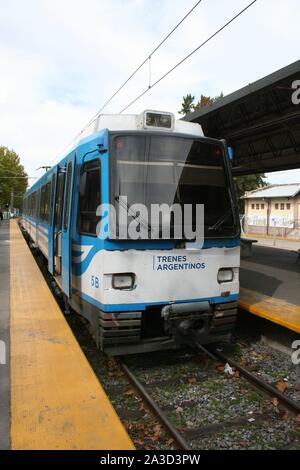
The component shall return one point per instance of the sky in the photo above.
(60, 60)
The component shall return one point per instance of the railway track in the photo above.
(179, 437)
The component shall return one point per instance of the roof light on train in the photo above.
(158, 119)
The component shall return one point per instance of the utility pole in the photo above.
(11, 200)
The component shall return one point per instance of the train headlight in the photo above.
(225, 275)
(123, 281)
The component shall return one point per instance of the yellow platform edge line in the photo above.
(265, 311)
(57, 401)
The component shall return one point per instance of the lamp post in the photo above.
(12, 200)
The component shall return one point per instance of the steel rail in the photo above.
(292, 406)
(179, 441)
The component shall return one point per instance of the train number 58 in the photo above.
(95, 281)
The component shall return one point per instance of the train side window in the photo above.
(89, 197)
(42, 202)
(47, 202)
(34, 204)
(68, 195)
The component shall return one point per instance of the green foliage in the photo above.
(10, 168)
(188, 105)
(247, 183)
(207, 101)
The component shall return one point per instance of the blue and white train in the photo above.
(145, 294)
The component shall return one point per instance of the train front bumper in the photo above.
(166, 327)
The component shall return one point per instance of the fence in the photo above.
(279, 227)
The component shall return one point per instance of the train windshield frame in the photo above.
(155, 168)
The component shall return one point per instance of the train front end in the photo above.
(169, 270)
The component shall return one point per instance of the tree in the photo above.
(247, 183)
(13, 178)
(187, 104)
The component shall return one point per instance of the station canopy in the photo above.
(260, 122)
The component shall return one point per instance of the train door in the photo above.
(37, 216)
(56, 226)
(66, 227)
(51, 224)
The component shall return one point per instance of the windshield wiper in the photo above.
(133, 215)
(221, 220)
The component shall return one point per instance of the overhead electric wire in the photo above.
(130, 77)
(163, 76)
(188, 56)
(144, 62)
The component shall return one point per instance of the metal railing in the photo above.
(279, 227)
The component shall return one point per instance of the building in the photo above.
(273, 210)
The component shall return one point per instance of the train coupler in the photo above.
(187, 322)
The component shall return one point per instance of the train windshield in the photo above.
(154, 169)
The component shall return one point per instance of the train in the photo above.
(142, 285)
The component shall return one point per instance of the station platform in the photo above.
(270, 286)
(50, 397)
